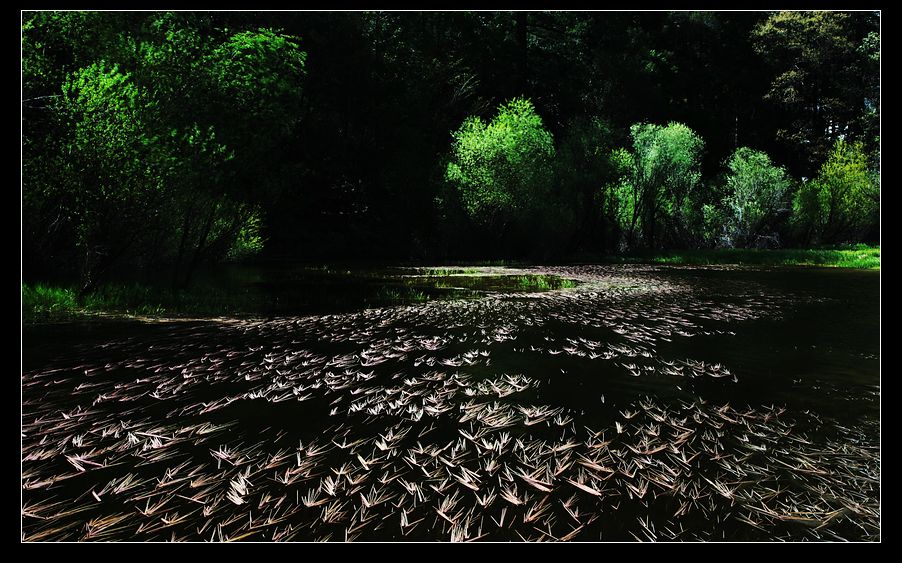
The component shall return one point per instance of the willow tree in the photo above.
(757, 197)
(501, 170)
(110, 185)
(841, 204)
(661, 185)
(160, 151)
(246, 104)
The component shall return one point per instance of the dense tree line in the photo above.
(162, 141)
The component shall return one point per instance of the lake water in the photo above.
(646, 403)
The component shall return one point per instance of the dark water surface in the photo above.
(648, 402)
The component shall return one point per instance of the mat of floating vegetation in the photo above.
(409, 423)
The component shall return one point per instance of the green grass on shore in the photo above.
(44, 303)
(542, 282)
(859, 257)
(41, 302)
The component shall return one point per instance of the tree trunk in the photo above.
(183, 241)
(199, 249)
(94, 274)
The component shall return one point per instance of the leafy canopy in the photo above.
(756, 194)
(843, 201)
(666, 172)
(501, 169)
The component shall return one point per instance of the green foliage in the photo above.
(713, 222)
(152, 139)
(112, 175)
(826, 65)
(445, 272)
(41, 301)
(109, 172)
(249, 241)
(667, 158)
(501, 170)
(257, 73)
(160, 147)
(859, 256)
(533, 283)
(54, 44)
(843, 202)
(757, 193)
(51, 303)
(623, 193)
(541, 282)
(659, 198)
(399, 294)
(105, 113)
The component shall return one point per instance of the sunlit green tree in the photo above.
(663, 181)
(162, 149)
(501, 171)
(842, 204)
(110, 182)
(757, 197)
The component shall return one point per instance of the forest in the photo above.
(163, 142)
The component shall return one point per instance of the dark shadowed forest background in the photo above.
(159, 143)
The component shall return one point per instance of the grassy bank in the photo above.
(45, 303)
(859, 257)
(41, 302)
